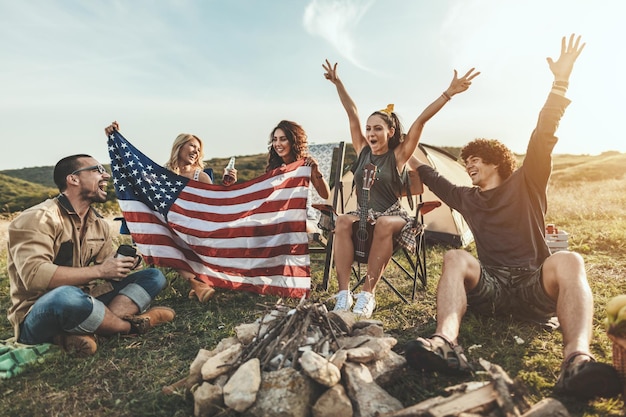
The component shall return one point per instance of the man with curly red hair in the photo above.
(515, 273)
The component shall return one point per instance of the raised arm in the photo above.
(457, 85)
(111, 128)
(562, 68)
(358, 139)
(317, 179)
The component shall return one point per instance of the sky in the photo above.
(229, 71)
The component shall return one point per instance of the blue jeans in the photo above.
(68, 309)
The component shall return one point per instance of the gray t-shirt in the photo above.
(387, 185)
(508, 221)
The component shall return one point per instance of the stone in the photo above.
(195, 369)
(225, 344)
(385, 370)
(319, 369)
(247, 332)
(380, 346)
(343, 319)
(333, 403)
(267, 321)
(368, 398)
(241, 389)
(362, 354)
(284, 393)
(339, 358)
(360, 324)
(372, 330)
(207, 400)
(217, 364)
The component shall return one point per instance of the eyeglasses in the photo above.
(98, 167)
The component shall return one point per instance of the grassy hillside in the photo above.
(577, 168)
(17, 194)
(37, 175)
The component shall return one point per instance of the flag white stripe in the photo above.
(260, 219)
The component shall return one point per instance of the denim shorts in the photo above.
(517, 292)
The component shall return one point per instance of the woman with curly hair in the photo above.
(384, 146)
(288, 143)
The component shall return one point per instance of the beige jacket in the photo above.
(44, 237)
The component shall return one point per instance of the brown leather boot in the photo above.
(201, 290)
(81, 345)
(141, 323)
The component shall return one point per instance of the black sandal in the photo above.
(587, 379)
(448, 358)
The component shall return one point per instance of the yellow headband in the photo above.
(387, 110)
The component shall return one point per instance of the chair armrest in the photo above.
(427, 206)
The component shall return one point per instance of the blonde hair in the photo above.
(179, 142)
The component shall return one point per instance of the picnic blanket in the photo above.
(15, 357)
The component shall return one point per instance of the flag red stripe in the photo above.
(200, 193)
(247, 231)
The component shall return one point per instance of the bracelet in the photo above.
(446, 96)
(560, 91)
(558, 87)
(563, 84)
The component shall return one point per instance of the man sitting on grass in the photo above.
(515, 273)
(66, 285)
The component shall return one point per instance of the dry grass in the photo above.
(126, 375)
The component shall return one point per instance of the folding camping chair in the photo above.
(330, 160)
(416, 259)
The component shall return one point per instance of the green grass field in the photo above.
(586, 198)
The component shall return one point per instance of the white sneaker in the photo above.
(365, 304)
(344, 301)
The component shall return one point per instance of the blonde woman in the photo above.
(187, 160)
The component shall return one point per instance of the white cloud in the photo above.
(334, 21)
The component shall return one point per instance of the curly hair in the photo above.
(392, 121)
(297, 139)
(179, 142)
(491, 151)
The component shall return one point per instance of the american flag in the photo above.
(249, 236)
